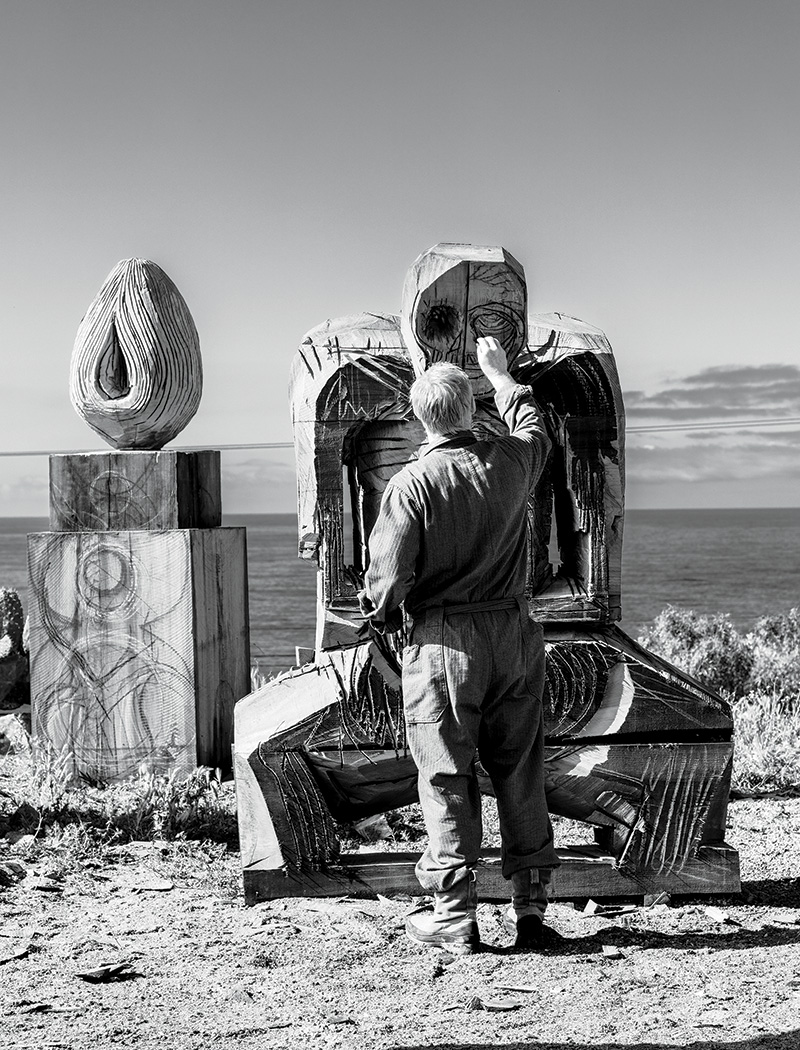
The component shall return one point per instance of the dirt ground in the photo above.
(205, 971)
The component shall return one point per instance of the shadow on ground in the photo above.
(784, 1041)
(780, 893)
(728, 938)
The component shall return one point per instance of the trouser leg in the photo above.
(530, 891)
(444, 681)
(451, 806)
(512, 750)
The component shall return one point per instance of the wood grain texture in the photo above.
(221, 633)
(570, 366)
(136, 374)
(100, 491)
(349, 376)
(585, 872)
(134, 661)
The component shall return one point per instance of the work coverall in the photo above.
(450, 543)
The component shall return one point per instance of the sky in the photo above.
(286, 162)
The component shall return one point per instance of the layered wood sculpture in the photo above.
(635, 748)
(136, 375)
(138, 619)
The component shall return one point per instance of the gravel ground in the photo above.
(204, 971)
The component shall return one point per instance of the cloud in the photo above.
(726, 457)
(756, 438)
(734, 391)
(25, 494)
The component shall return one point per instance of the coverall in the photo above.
(451, 544)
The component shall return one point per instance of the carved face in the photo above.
(466, 299)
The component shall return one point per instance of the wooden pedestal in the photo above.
(139, 647)
(135, 490)
(139, 631)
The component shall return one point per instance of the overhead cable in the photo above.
(726, 424)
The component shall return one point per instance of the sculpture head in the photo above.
(136, 375)
(442, 399)
(456, 293)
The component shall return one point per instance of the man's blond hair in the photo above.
(442, 399)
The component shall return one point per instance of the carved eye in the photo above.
(441, 323)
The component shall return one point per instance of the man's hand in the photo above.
(493, 361)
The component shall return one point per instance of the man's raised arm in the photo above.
(514, 402)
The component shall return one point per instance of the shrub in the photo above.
(775, 646)
(767, 744)
(709, 648)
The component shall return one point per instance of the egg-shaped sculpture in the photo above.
(136, 375)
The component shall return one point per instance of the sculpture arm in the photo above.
(393, 548)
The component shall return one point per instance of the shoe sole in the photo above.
(454, 947)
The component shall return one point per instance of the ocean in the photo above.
(742, 562)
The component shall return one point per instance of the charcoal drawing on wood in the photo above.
(635, 748)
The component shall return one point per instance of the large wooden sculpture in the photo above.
(139, 622)
(635, 748)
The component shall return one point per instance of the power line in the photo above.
(726, 424)
(175, 448)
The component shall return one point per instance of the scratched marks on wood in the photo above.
(131, 664)
(456, 293)
(111, 650)
(634, 748)
(135, 490)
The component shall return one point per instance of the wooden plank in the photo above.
(585, 872)
(221, 635)
(116, 491)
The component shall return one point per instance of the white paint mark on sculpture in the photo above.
(136, 375)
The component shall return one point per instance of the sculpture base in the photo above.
(96, 491)
(139, 647)
(586, 871)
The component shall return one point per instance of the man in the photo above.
(450, 543)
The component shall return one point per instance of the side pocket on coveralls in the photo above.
(534, 658)
(425, 697)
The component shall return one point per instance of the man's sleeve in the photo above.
(524, 420)
(393, 548)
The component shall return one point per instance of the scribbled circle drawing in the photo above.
(107, 581)
(502, 322)
(118, 709)
(129, 497)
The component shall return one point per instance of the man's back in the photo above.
(453, 524)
